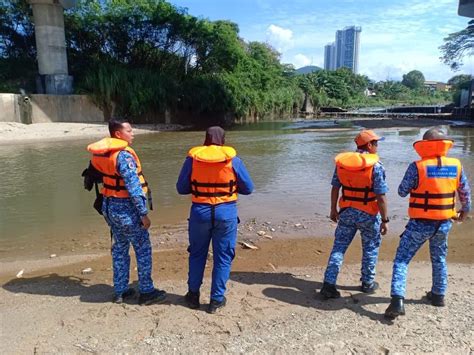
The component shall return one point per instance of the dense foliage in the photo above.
(457, 46)
(140, 58)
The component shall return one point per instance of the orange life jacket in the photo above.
(438, 180)
(213, 179)
(354, 171)
(104, 159)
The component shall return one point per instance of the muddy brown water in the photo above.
(44, 208)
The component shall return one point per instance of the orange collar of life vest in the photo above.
(212, 153)
(355, 161)
(107, 145)
(433, 148)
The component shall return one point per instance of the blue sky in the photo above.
(397, 36)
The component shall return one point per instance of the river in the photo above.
(44, 207)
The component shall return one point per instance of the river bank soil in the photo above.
(272, 305)
(12, 132)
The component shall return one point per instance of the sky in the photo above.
(397, 36)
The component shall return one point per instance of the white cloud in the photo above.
(279, 37)
(300, 60)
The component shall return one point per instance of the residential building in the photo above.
(436, 85)
(330, 56)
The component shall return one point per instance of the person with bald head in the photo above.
(432, 183)
(214, 176)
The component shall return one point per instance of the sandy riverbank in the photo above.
(272, 305)
(54, 308)
(15, 133)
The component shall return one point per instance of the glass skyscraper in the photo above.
(344, 52)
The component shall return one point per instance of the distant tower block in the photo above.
(53, 76)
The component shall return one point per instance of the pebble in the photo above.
(20, 273)
(87, 270)
(52, 256)
(261, 233)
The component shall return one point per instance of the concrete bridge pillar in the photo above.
(53, 76)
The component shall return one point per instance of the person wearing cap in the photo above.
(214, 176)
(363, 207)
(432, 183)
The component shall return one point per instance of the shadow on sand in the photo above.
(72, 286)
(294, 290)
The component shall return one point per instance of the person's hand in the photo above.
(334, 215)
(461, 216)
(383, 228)
(146, 223)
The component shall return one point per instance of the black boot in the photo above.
(436, 300)
(329, 291)
(395, 309)
(155, 296)
(369, 287)
(119, 298)
(215, 305)
(192, 300)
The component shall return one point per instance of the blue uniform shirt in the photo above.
(127, 168)
(410, 182)
(223, 211)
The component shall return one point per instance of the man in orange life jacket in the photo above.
(363, 207)
(213, 175)
(124, 208)
(432, 183)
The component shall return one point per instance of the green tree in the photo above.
(458, 45)
(414, 79)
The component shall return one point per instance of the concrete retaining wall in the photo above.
(9, 108)
(48, 108)
(64, 108)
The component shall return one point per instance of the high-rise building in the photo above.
(330, 56)
(344, 52)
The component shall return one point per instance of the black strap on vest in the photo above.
(427, 196)
(366, 199)
(232, 185)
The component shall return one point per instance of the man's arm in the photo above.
(409, 181)
(380, 189)
(127, 169)
(464, 193)
(336, 185)
(183, 185)
(382, 203)
(244, 181)
(334, 215)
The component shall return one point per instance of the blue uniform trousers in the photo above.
(351, 220)
(126, 227)
(417, 232)
(224, 237)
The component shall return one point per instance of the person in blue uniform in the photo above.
(432, 183)
(363, 207)
(125, 209)
(214, 176)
